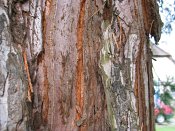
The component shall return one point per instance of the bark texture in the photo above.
(77, 65)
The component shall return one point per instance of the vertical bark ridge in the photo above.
(45, 108)
(138, 89)
(45, 102)
(150, 91)
(140, 85)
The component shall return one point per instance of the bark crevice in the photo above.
(80, 70)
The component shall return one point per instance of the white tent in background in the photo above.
(163, 64)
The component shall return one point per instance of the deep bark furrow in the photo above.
(80, 74)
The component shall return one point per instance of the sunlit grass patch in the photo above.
(165, 127)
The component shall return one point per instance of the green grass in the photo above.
(165, 128)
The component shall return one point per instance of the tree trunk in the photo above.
(77, 65)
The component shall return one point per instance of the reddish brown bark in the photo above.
(79, 72)
(83, 60)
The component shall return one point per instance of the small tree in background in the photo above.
(168, 88)
(163, 99)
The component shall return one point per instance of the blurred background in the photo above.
(164, 69)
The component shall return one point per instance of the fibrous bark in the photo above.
(77, 65)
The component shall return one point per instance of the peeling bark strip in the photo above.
(80, 75)
(152, 20)
(30, 88)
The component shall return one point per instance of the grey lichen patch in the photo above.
(4, 50)
(117, 83)
(121, 86)
(12, 63)
(105, 69)
(2, 83)
(2, 25)
(12, 80)
(18, 24)
(16, 92)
